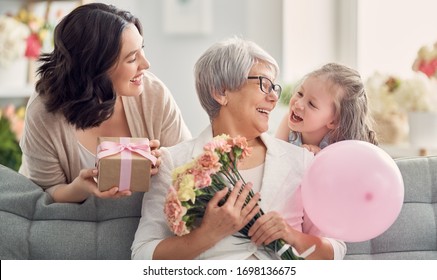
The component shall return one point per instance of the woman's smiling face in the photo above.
(127, 74)
(249, 107)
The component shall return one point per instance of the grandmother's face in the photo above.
(249, 108)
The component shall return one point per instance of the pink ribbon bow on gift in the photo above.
(125, 148)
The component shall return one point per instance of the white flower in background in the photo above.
(389, 94)
(417, 94)
(380, 90)
(13, 36)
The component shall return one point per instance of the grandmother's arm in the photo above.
(217, 223)
(272, 226)
(154, 240)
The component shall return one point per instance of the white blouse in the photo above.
(254, 176)
(87, 159)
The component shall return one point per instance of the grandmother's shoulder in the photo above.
(281, 144)
(291, 150)
(181, 147)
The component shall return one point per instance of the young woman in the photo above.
(94, 83)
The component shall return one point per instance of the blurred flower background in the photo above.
(39, 31)
(13, 36)
(390, 94)
(426, 61)
(21, 35)
(26, 30)
(393, 99)
(11, 128)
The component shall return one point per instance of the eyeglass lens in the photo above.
(267, 86)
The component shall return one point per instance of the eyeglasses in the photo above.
(267, 86)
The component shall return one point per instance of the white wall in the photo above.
(390, 32)
(369, 35)
(309, 36)
(172, 57)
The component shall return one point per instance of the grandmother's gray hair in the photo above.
(225, 66)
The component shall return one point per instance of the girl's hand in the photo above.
(312, 148)
(270, 227)
(154, 146)
(222, 221)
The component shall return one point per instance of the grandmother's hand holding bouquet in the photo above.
(200, 196)
(221, 220)
(268, 228)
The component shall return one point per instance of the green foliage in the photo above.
(286, 94)
(10, 152)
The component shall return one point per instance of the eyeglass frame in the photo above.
(276, 88)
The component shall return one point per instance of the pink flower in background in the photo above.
(16, 119)
(428, 67)
(33, 48)
(426, 61)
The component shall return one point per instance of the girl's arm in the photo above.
(283, 130)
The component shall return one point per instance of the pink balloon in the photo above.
(353, 191)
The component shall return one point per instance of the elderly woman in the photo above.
(235, 84)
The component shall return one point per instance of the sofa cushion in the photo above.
(414, 233)
(33, 227)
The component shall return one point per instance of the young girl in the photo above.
(329, 105)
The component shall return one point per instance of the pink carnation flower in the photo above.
(201, 178)
(174, 212)
(219, 144)
(209, 162)
(241, 142)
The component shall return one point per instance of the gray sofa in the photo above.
(32, 227)
(413, 236)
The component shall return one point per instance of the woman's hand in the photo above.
(270, 227)
(86, 184)
(222, 221)
(154, 146)
(82, 187)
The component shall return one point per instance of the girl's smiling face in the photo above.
(312, 110)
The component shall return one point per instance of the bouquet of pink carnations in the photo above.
(195, 183)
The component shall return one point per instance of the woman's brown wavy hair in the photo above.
(73, 78)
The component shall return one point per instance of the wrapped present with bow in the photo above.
(125, 163)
